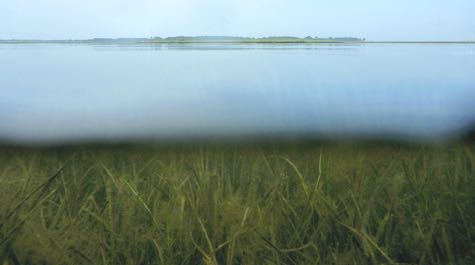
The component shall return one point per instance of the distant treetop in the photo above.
(253, 39)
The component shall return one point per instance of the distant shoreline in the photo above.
(224, 40)
(230, 42)
(313, 42)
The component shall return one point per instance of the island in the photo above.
(198, 39)
(231, 40)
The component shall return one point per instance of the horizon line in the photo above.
(358, 39)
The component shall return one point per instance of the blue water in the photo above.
(52, 93)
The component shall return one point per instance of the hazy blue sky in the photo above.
(373, 19)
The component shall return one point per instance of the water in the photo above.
(59, 92)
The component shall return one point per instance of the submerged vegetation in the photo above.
(262, 204)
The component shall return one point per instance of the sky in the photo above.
(370, 19)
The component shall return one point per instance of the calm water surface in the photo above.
(60, 92)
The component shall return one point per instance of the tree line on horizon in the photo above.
(240, 38)
(182, 39)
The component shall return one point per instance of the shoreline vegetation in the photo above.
(226, 40)
(324, 203)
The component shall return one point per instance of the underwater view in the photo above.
(238, 132)
(191, 91)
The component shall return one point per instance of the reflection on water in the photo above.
(53, 92)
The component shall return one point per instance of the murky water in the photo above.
(58, 92)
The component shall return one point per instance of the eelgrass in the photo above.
(329, 204)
